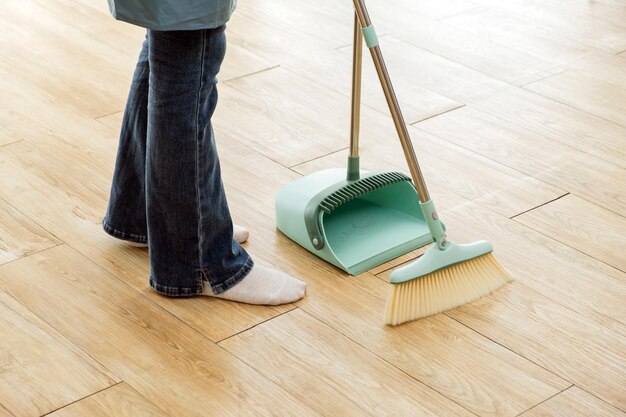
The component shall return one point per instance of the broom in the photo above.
(448, 274)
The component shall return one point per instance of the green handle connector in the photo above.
(369, 34)
(436, 227)
(354, 172)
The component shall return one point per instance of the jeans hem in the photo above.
(130, 237)
(199, 289)
(176, 291)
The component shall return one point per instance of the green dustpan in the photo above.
(357, 220)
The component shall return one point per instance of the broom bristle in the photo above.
(444, 289)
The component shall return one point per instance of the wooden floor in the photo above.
(518, 114)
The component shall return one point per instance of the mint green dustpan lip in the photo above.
(435, 259)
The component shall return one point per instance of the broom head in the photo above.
(443, 279)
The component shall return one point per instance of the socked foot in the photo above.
(263, 286)
(240, 233)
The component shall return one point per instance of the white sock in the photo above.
(240, 233)
(263, 286)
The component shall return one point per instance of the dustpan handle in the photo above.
(355, 120)
(372, 43)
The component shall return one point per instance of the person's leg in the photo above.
(126, 212)
(190, 231)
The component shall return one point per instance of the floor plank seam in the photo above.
(254, 368)
(386, 361)
(378, 275)
(372, 108)
(543, 78)
(600, 399)
(547, 399)
(507, 81)
(11, 143)
(97, 119)
(511, 350)
(565, 243)
(70, 342)
(345, 45)
(217, 342)
(316, 158)
(250, 74)
(540, 205)
(255, 151)
(460, 106)
(32, 253)
(573, 107)
(492, 113)
(531, 175)
(496, 162)
(29, 218)
(81, 399)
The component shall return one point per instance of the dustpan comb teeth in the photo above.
(360, 187)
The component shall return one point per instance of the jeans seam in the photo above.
(197, 137)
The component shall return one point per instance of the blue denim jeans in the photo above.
(167, 188)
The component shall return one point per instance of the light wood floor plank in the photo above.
(20, 236)
(519, 34)
(120, 400)
(312, 62)
(574, 402)
(329, 22)
(432, 8)
(471, 48)
(548, 160)
(603, 66)
(298, 352)
(589, 94)
(39, 370)
(584, 23)
(584, 226)
(166, 361)
(585, 132)
(291, 119)
(84, 74)
(586, 354)
(280, 107)
(75, 14)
